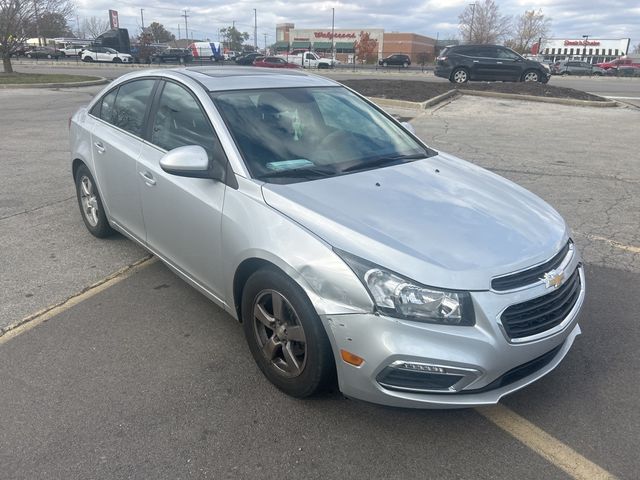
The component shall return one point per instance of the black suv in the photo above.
(178, 55)
(396, 59)
(461, 63)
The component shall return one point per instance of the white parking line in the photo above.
(552, 449)
(613, 243)
(37, 318)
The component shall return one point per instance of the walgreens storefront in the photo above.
(591, 50)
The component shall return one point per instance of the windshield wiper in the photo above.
(382, 161)
(302, 172)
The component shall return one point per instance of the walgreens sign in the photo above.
(335, 35)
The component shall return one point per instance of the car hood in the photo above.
(440, 221)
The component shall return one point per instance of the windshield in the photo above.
(296, 134)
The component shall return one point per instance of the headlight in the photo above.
(402, 298)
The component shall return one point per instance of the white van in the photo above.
(210, 50)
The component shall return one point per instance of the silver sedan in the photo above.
(348, 248)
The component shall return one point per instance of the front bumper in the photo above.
(481, 358)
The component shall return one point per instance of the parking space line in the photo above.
(613, 243)
(552, 449)
(37, 318)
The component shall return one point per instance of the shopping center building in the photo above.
(343, 41)
(592, 50)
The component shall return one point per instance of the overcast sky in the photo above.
(570, 18)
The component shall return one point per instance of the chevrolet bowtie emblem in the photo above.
(553, 279)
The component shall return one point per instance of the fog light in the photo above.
(351, 358)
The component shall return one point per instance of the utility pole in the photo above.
(265, 43)
(80, 34)
(333, 42)
(473, 14)
(186, 25)
(255, 29)
(142, 17)
(179, 32)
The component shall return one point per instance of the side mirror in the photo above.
(409, 127)
(189, 161)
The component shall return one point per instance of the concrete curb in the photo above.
(533, 98)
(388, 102)
(88, 83)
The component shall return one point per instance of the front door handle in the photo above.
(148, 178)
(99, 147)
(499, 63)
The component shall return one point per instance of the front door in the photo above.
(183, 216)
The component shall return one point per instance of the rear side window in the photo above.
(130, 106)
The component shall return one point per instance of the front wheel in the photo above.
(91, 204)
(117, 60)
(384, 64)
(87, 59)
(405, 64)
(459, 75)
(531, 76)
(285, 334)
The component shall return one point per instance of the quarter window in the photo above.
(179, 121)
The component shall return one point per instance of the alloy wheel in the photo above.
(531, 77)
(460, 76)
(279, 333)
(89, 201)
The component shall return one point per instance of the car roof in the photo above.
(239, 78)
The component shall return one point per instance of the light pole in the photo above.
(586, 41)
(473, 14)
(333, 43)
(255, 30)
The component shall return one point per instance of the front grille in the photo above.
(542, 313)
(531, 275)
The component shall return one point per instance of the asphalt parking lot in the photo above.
(144, 378)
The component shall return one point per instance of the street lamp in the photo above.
(586, 40)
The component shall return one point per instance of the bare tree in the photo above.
(93, 26)
(20, 20)
(159, 33)
(636, 49)
(482, 23)
(529, 27)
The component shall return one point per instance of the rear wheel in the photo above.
(384, 64)
(531, 76)
(405, 64)
(91, 204)
(285, 335)
(459, 75)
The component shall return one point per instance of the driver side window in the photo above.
(179, 121)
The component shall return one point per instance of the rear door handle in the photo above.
(476, 61)
(99, 147)
(148, 178)
(499, 63)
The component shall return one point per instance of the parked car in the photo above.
(576, 67)
(72, 50)
(178, 55)
(396, 59)
(248, 58)
(20, 50)
(632, 60)
(624, 71)
(104, 54)
(461, 63)
(43, 52)
(308, 213)
(274, 62)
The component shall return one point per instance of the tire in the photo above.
(405, 64)
(565, 73)
(300, 367)
(459, 75)
(28, 55)
(117, 60)
(49, 56)
(90, 204)
(385, 64)
(87, 59)
(531, 76)
(597, 74)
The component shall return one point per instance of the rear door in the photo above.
(116, 143)
(183, 216)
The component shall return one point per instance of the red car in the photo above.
(274, 62)
(626, 62)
